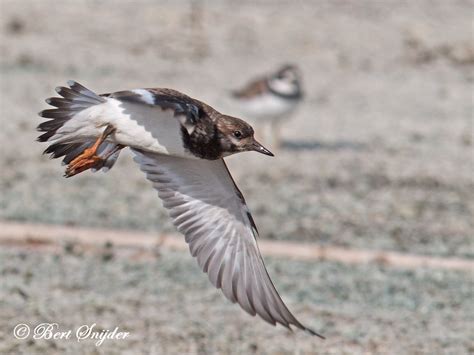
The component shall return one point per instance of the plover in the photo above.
(272, 98)
(179, 143)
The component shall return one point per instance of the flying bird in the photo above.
(179, 143)
(271, 99)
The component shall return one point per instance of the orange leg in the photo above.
(88, 158)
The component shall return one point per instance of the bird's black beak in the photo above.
(260, 148)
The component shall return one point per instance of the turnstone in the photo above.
(272, 98)
(179, 143)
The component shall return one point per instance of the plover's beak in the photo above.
(260, 148)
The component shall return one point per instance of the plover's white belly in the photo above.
(140, 126)
(267, 107)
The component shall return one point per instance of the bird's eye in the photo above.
(237, 134)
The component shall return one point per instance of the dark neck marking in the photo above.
(203, 142)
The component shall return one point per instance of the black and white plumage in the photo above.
(270, 99)
(179, 143)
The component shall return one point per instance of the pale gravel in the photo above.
(379, 155)
(169, 307)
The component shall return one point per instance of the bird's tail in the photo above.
(74, 99)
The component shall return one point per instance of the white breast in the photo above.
(267, 107)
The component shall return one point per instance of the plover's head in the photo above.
(286, 81)
(236, 135)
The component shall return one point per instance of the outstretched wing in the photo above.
(207, 207)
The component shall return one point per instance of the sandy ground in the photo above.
(380, 153)
(360, 309)
(378, 156)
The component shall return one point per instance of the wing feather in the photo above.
(207, 207)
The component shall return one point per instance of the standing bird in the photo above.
(179, 143)
(270, 99)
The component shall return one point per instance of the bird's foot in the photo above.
(88, 158)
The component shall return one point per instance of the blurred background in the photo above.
(378, 156)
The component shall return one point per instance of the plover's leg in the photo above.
(89, 158)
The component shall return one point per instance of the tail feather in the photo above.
(76, 87)
(75, 98)
(75, 150)
(71, 150)
(110, 161)
(68, 150)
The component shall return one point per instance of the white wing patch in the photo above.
(145, 95)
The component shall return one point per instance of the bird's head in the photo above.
(286, 81)
(236, 135)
